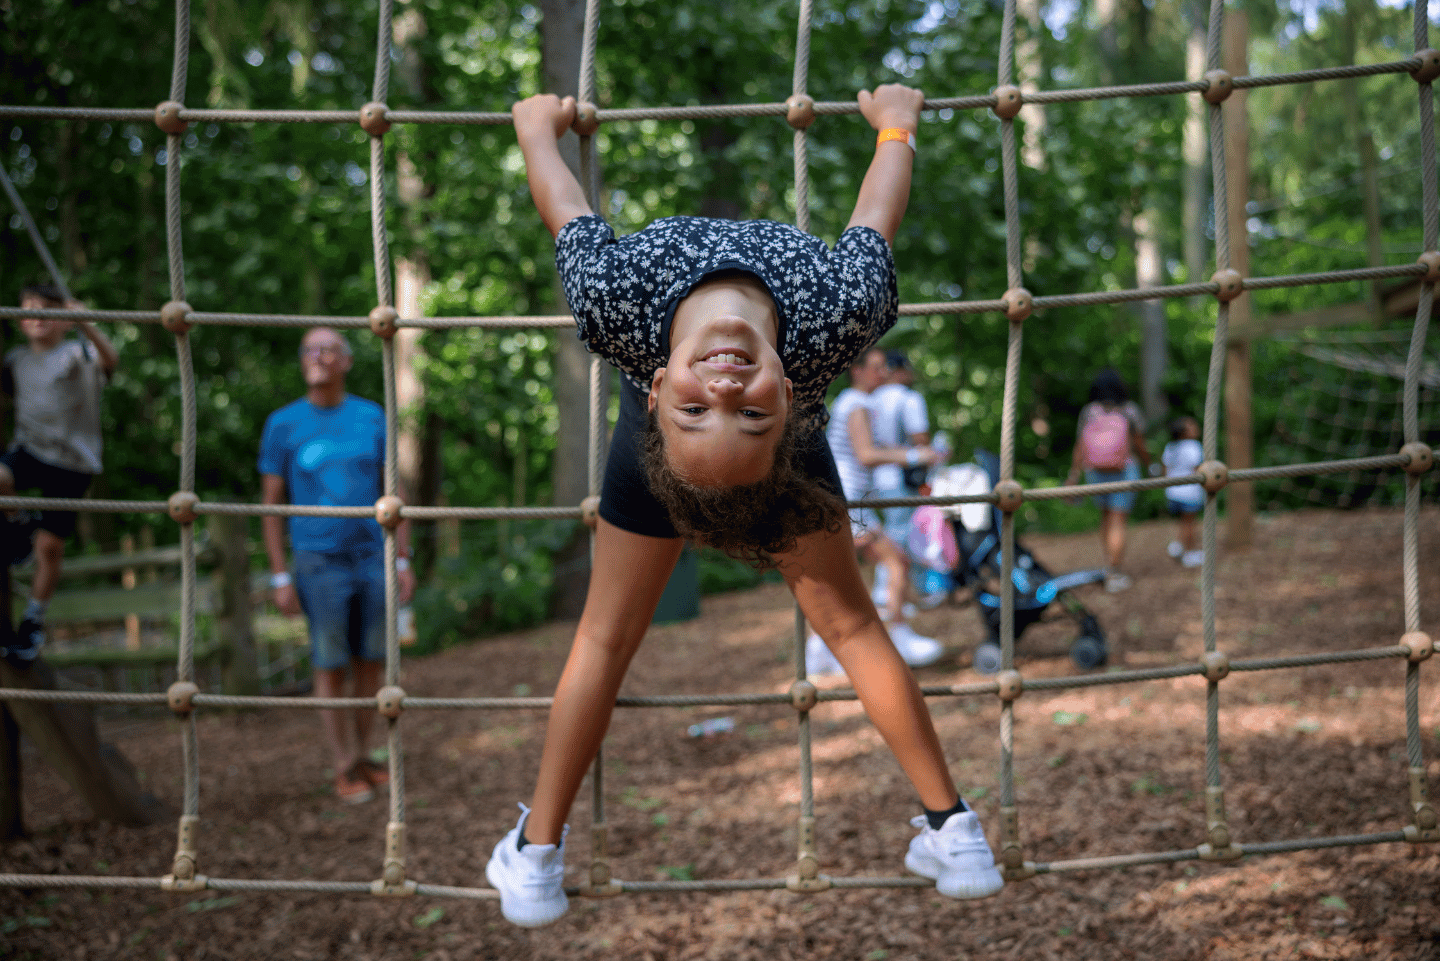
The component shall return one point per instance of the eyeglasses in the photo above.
(328, 352)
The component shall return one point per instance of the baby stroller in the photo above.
(970, 557)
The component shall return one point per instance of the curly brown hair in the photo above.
(755, 522)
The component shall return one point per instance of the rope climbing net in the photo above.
(1413, 457)
(1342, 398)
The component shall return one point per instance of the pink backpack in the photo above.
(932, 541)
(1105, 441)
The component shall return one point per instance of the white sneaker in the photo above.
(917, 650)
(819, 661)
(957, 857)
(1117, 582)
(1175, 549)
(530, 880)
(1192, 559)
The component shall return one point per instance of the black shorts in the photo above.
(51, 481)
(625, 498)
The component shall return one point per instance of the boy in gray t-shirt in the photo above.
(56, 383)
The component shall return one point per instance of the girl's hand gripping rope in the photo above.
(540, 122)
(894, 111)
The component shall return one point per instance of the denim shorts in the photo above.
(897, 519)
(343, 596)
(1122, 501)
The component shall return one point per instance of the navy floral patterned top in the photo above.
(832, 304)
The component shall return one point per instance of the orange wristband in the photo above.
(896, 133)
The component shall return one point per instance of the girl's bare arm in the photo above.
(540, 122)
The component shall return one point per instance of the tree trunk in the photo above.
(1196, 149)
(1154, 350)
(417, 445)
(1239, 444)
(562, 28)
(65, 736)
(1030, 70)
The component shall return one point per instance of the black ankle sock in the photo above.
(521, 841)
(937, 819)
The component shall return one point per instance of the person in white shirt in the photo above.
(852, 442)
(899, 419)
(1182, 456)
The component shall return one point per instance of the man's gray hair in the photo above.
(344, 342)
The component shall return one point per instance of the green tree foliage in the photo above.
(276, 216)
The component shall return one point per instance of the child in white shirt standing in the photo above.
(1182, 456)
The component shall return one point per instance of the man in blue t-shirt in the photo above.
(328, 448)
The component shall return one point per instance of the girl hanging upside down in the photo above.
(728, 334)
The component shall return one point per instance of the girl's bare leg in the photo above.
(1189, 537)
(825, 578)
(1112, 534)
(626, 581)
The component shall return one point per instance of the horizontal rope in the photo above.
(427, 513)
(1092, 298)
(1324, 657)
(695, 111)
(76, 881)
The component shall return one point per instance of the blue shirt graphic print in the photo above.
(328, 456)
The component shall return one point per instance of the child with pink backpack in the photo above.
(1111, 438)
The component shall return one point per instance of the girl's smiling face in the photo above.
(723, 398)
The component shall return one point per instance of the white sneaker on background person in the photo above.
(917, 650)
(1192, 559)
(530, 879)
(1115, 582)
(819, 661)
(1175, 549)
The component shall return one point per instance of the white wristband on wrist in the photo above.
(402, 564)
(280, 580)
(912, 457)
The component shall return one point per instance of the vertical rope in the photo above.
(38, 242)
(180, 61)
(1213, 391)
(384, 296)
(800, 82)
(1410, 399)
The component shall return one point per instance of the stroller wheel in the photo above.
(987, 658)
(1088, 652)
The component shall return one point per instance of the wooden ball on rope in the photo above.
(175, 317)
(587, 119)
(1422, 458)
(1419, 644)
(373, 120)
(1220, 89)
(384, 321)
(803, 695)
(1011, 685)
(1008, 101)
(1018, 303)
(1009, 495)
(167, 116)
(1214, 475)
(1431, 260)
(1216, 665)
(590, 511)
(1231, 284)
(181, 506)
(181, 697)
(800, 110)
(387, 511)
(1429, 67)
(390, 700)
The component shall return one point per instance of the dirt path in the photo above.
(1106, 770)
